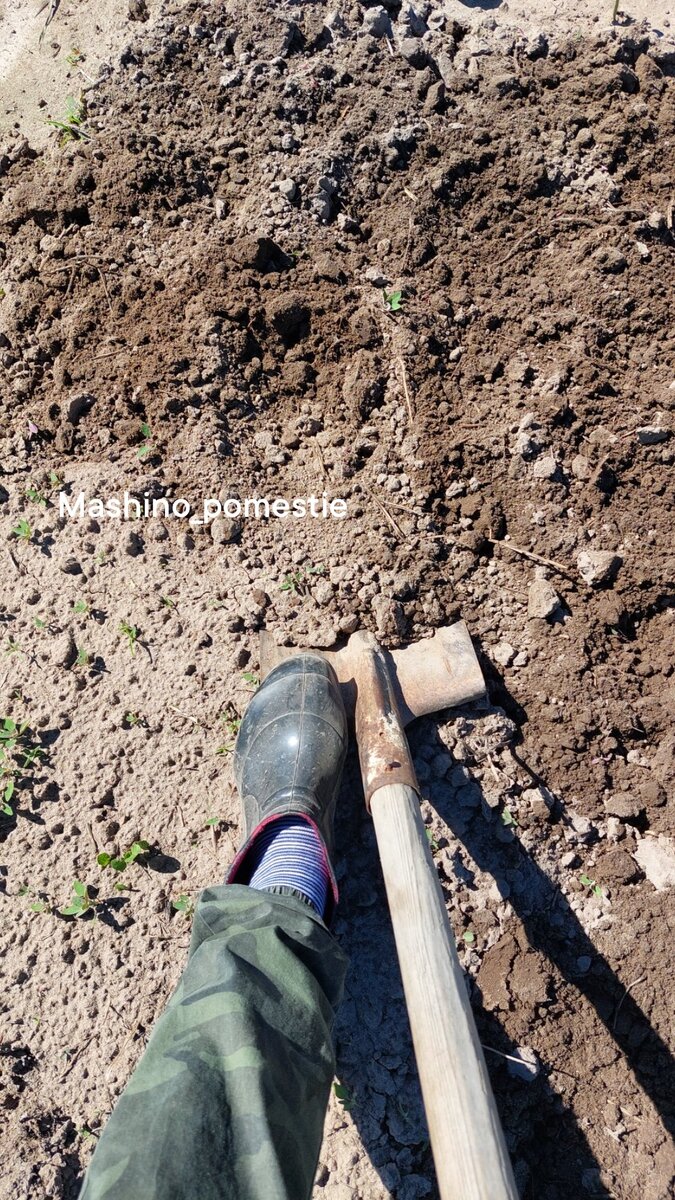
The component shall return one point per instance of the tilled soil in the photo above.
(383, 257)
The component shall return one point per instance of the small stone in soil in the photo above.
(225, 529)
(288, 188)
(527, 1068)
(651, 435)
(624, 805)
(545, 467)
(542, 599)
(597, 566)
(376, 23)
(656, 857)
(504, 654)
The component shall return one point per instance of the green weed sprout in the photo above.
(120, 863)
(80, 903)
(297, 581)
(144, 450)
(183, 904)
(344, 1095)
(71, 126)
(130, 632)
(22, 530)
(36, 496)
(17, 757)
(393, 301)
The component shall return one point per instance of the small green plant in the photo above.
(251, 677)
(213, 822)
(39, 623)
(231, 722)
(433, 844)
(71, 126)
(83, 657)
(183, 904)
(76, 56)
(17, 756)
(298, 581)
(80, 901)
(12, 646)
(130, 632)
(36, 906)
(36, 496)
(120, 862)
(55, 480)
(22, 530)
(3, 293)
(147, 447)
(469, 937)
(393, 300)
(344, 1095)
(591, 885)
(230, 719)
(132, 718)
(81, 608)
(5, 804)
(167, 602)
(508, 818)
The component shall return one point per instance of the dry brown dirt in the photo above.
(193, 305)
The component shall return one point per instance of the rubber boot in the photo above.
(289, 755)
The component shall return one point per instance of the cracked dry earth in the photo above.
(193, 304)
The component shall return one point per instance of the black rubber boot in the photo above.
(289, 755)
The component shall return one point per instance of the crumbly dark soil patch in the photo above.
(195, 304)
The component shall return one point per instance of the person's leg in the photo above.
(229, 1098)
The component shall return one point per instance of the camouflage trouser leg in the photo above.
(229, 1099)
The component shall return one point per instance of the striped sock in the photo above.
(288, 853)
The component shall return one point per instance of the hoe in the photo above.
(383, 692)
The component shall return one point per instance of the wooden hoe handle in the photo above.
(466, 1137)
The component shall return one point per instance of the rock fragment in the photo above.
(414, 52)
(625, 805)
(523, 1064)
(598, 566)
(651, 435)
(656, 857)
(230, 79)
(504, 654)
(540, 800)
(288, 188)
(225, 529)
(376, 22)
(542, 599)
(545, 467)
(581, 467)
